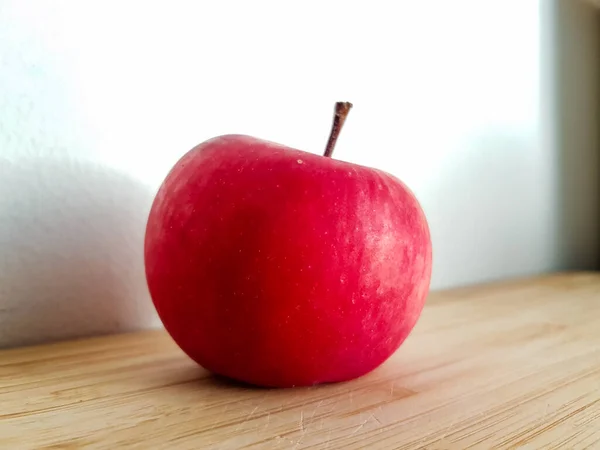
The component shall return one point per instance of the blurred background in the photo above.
(487, 109)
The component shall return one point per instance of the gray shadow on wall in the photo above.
(575, 124)
(71, 237)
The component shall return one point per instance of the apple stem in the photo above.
(341, 112)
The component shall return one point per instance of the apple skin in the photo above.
(279, 268)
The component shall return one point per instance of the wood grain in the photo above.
(509, 365)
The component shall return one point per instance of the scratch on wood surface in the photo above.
(315, 411)
(248, 417)
(364, 422)
(450, 428)
(302, 430)
(357, 429)
(546, 410)
(377, 419)
(298, 442)
(328, 438)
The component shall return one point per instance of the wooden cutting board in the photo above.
(508, 365)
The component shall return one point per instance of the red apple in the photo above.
(279, 268)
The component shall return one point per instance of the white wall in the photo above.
(99, 99)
